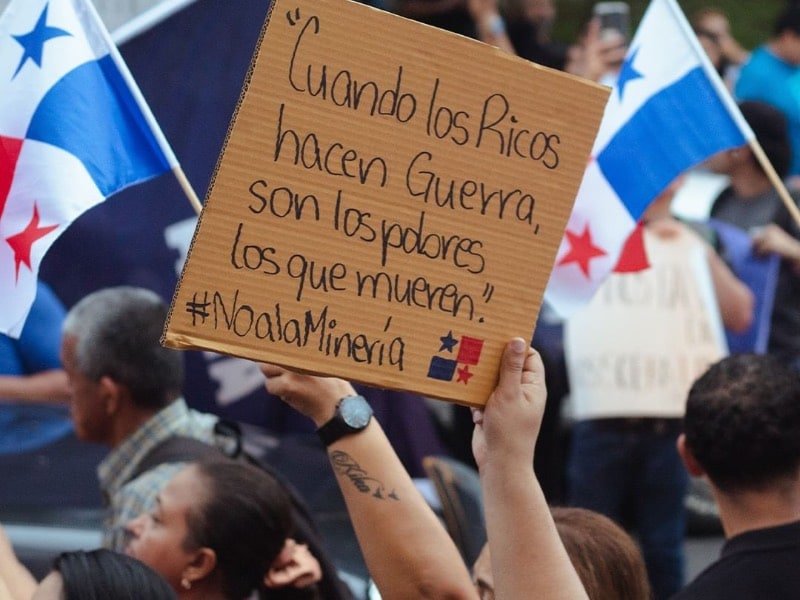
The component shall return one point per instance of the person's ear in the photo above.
(689, 461)
(201, 566)
(111, 394)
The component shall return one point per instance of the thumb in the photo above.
(511, 365)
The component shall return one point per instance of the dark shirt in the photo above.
(755, 565)
(748, 213)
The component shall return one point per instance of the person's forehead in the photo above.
(182, 492)
(715, 22)
(68, 343)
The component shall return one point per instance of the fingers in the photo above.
(276, 384)
(759, 237)
(511, 366)
(284, 383)
(593, 30)
(765, 244)
(613, 52)
(477, 416)
(533, 369)
(271, 370)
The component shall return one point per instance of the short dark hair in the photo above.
(103, 574)
(788, 20)
(245, 518)
(772, 131)
(742, 422)
(117, 332)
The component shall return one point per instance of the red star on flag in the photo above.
(9, 154)
(582, 250)
(22, 242)
(464, 375)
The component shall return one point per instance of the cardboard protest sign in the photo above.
(638, 346)
(388, 204)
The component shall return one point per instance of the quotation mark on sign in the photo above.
(198, 309)
(293, 19)
(487, 292)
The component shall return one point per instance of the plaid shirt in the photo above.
(126, 501)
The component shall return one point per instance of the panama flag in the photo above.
(74, 129)
(668, 111)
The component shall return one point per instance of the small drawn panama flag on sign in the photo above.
(459, 355)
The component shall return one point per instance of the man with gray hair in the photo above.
(126, 394)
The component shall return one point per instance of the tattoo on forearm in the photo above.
(344, 464)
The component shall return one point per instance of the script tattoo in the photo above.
(344, 464)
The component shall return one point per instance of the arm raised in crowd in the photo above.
(771, 239)
(489, 24)
(407, 550)
(528, 557)
(594, 57)
(46, 386)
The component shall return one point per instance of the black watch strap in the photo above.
(353, 414)
(333, 430)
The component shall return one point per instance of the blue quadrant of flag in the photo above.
(442, 369)
(91, 113)
(691, 123)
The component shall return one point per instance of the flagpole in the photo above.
(159, 136)
(776, 180)
(187, 189)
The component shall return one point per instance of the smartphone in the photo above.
(614, 19)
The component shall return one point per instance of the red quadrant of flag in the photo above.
(470, 350)
(9, 155)
(634, 256)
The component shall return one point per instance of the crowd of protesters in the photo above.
(189, 518)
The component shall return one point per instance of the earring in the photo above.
(186, 584)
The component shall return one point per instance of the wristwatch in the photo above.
(352, 415)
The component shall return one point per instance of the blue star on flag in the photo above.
(628, 73)
(33, 42)
(448, 342)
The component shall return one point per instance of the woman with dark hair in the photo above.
(102, 575)
(221, 530)
(606, 558)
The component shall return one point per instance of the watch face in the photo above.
(355, 412)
